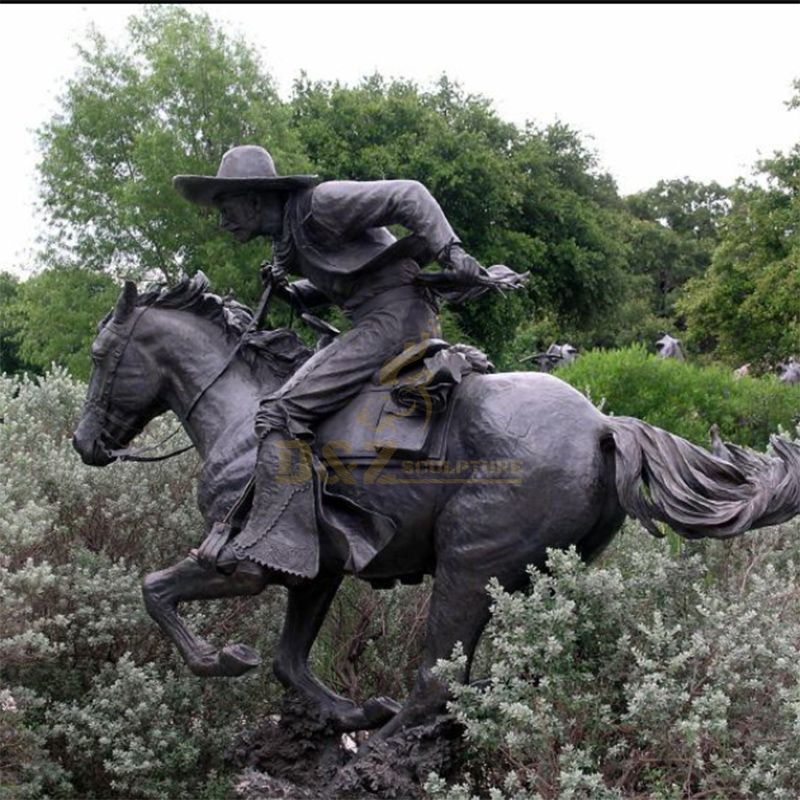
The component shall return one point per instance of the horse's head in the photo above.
(170, 348)
(124, 386)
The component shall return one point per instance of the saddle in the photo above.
(404, 411)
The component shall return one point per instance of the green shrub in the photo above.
(94, 701)
(654, 674)
(649, 676)
(685, 399)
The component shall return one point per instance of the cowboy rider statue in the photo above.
(332, 234)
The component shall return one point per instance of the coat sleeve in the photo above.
(310, 296)
(344, 209)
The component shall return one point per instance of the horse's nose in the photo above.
(91, 452)
(84, 448)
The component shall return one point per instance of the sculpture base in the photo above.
(300, 756)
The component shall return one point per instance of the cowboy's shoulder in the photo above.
(344, 190)
(343, 200)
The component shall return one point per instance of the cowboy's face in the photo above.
(246, 216)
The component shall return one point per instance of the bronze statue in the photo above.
(789, 372)
(332, 234)
(557, 355)
(510, 465)
(669, 347)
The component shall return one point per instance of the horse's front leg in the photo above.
(306, 609)
(188, 580)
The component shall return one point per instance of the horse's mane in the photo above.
(193, 294)
(281, 350)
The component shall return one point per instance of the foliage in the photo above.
(685, 207)
(531, 197)
(54, 316)
(649, 676)
(94, 700)
(683, 398)
(10, 359)
(744, 308)
(95, 703)
(605, 272)
(171, 100)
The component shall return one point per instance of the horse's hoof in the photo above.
(379, 710)
(236, 659)
(373, 714)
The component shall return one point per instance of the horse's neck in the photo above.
(225, 412)
(195, 360)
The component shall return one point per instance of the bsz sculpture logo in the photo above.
(418, 411)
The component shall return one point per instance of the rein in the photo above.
(135, 454)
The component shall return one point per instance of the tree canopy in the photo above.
(182, 91)
(171, 100)
(53, 318)
(745, 307)
(606, 271)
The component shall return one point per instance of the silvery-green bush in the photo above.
(649, 675)
(656, 673)
(94, 702)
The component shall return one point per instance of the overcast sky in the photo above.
(664, 91)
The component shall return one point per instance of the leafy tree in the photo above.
(673, 235)
(171, 100)
(54, 316)
(530, 198)
(684, 206)
(181, 92)
(745, 308)
(568, 216)
(10, 360)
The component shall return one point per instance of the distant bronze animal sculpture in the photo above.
(789, 372)
(669, 347)
(556, 355)
(567, 476)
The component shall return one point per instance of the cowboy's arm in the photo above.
(309, 295)
(345, 209)
(302, 293)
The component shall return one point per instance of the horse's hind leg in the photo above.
(306, 609)
(459, 612)
(188, 580)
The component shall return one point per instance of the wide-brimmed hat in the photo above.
(244, 168)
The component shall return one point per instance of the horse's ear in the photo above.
(126, 301)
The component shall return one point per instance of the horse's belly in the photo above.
(411, 505)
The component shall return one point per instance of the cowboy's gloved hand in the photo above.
(274, 275)
(456, 259)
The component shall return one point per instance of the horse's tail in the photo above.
(663, 478)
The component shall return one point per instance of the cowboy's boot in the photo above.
(281, 530)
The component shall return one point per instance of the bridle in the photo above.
(100, 402)
(103, 404)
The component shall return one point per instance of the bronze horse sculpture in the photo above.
(576, 474)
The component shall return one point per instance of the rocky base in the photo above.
(300, 756)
